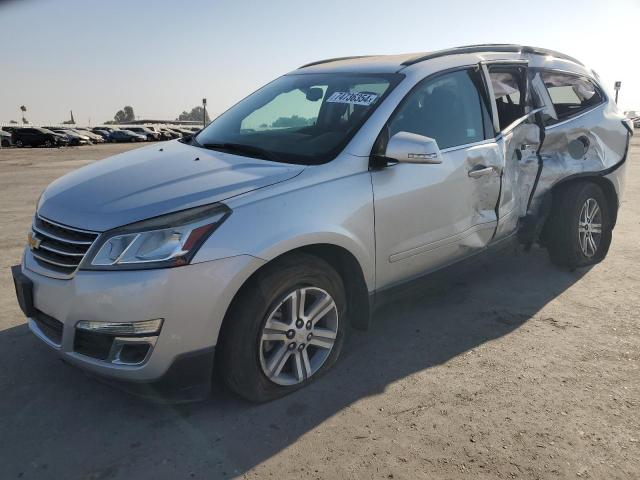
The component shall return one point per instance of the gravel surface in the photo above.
(515, 369)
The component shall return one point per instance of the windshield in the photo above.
(305, 119)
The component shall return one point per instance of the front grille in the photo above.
(60, 248)
(49, 326)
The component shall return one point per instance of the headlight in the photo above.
(166, 241)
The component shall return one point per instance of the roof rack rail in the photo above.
(329, 60)
(553, 53)
(489, 47)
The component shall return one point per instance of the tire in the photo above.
(244, 354)
(48, 144)
(565, 239)
(19, 143)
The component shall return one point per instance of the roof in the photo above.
(395, 63)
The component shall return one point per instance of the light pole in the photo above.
(616, 87)
(204, 112)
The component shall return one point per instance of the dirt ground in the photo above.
(516, 369)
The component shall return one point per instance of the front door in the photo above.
(427, 216)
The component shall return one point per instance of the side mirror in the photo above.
(405, 147)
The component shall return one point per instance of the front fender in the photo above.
(337, 211)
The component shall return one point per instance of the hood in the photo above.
(152, 181)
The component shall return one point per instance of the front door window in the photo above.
(447, 108)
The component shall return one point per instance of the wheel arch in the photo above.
(605, 185)
(347, 266)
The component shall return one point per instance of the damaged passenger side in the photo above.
(519, 139)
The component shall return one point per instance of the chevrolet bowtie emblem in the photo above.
(33, 241)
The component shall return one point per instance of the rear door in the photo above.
(429, 215)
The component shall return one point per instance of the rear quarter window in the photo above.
(570, 94)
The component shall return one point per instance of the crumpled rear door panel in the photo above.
(518, 175)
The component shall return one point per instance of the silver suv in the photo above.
(255, 243)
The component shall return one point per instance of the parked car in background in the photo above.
(634, 116)
(74, 138)
(5, 139)
(94, 137)
(180, 131)
(102, 130)
(106, 136)
(150, 135)
(168, 133)
(186, 130)
(174, 132)
(106, 128)
(162, 134)
(126, 136)
(10, 128)
(82, 135)
(36, 137)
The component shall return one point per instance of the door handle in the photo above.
(481, 171)
(527, 146)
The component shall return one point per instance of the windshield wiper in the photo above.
(249, 150)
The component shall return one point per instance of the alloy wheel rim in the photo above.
(590, 227)
(298, 336)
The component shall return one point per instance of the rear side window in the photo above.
(570, 94)
(447, 108)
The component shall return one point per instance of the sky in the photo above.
(162, 57)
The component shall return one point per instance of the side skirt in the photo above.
(431, 279)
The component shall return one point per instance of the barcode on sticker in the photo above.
(355, 98)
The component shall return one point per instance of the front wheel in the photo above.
(578, 231)
(285, 328)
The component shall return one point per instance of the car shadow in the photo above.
(59, 423)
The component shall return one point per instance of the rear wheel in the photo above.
(19, 143)
(578, 231)
(285, 329)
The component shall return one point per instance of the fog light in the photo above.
(146, 327)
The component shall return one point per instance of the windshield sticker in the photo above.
(357, 98)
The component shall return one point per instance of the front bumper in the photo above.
(192, 301)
